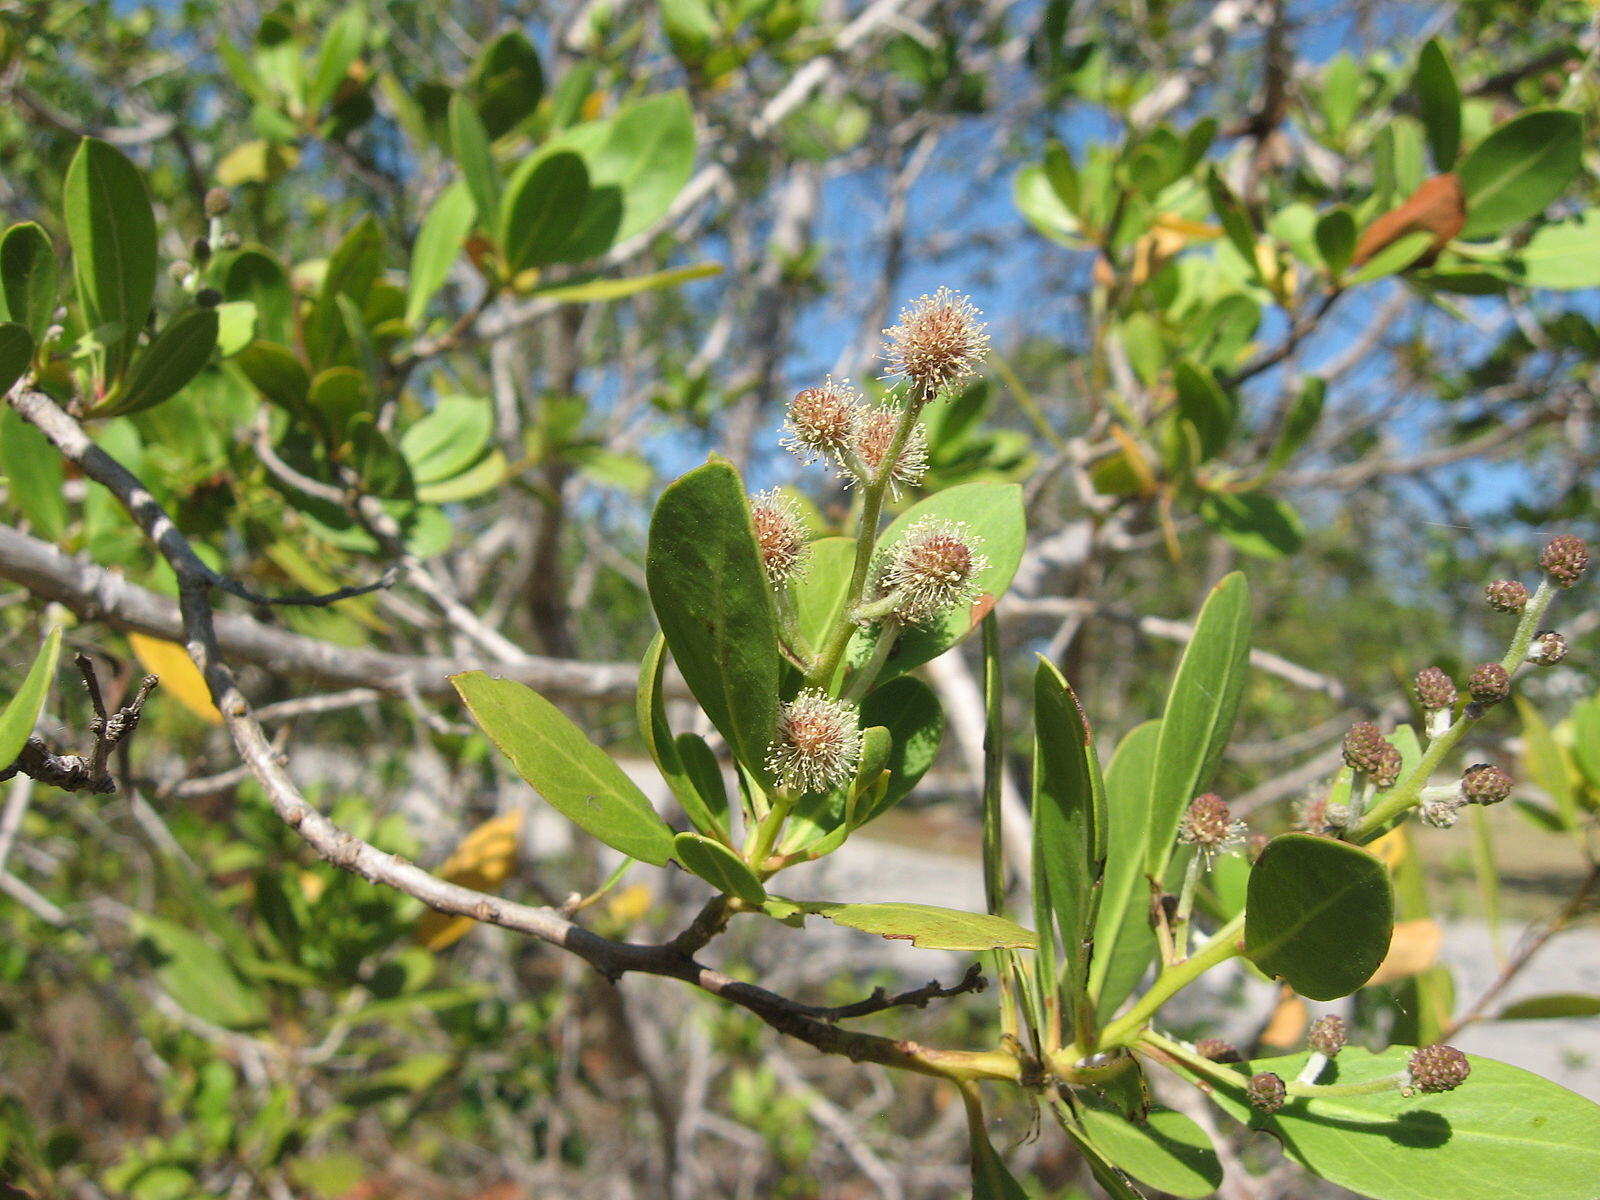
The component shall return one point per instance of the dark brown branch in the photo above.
(972, 981)
(74, 772)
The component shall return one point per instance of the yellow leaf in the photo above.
(255, 162)
(631, 903)
(1390, 848)
(1413, 949)
(1288, 1022)
(180, 678)
(482, 862)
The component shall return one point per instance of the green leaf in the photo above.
(991, 1180)
(508, 83)
(449, 439)
(1586, 739)
(113, 233)
(1300, 423)
(690, 28)
(438, 246)
(565, 767)
(715, 608)
(1341, 93)
(1439, 97)
(469, 143)
(909, 709)
(22, 710)
(1552, 1007)
(652, 715)
(1124, 943)
(280, 376)
(1564, 256)
(1043, 207)
(991, 511)
(1515, 172)
(30, 279)
(1167, 1151)
(719, 866)
(338, 395)
(1336, 239)
(645, 152)
(256, 276)
(1459, 1144)
(1262, 526)
(199, 976)
(926, 926)
(1069, 825)
(236, 326)
(341, 45)
(823, 587)
(705, 773)
(1320, 914)
(1206, 405)
(1199, 714)
(353, 267)
(167, 365)
(34, 473)
(1235, 221)
(1396, 256)
(377, 461)
(544, 211)
(1546, 764)
(16, 353)
(593, 291)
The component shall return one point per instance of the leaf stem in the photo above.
(862, 679)
(1224, 945)
(1180, 923)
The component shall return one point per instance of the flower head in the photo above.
(1564, 559)
(818, 742)
(1506, 595)
(938, 342)
(1437, 1068)
(871, 436)
(1435, 689)
(821, 421)
(780, 535)
(1208, 826)
(1328, 1034)
(933, 568)
(1485, 783)
(1218, 1050)
(1547, 648)
(1266, 1092)
(1489, 684)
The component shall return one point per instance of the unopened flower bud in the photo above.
(1328, 1035)
(933, 568)
(1218, 1050)
(938, 342)
(1506, 595)
(781, 535)
(219, 202)
(1209, 826)
(1266, 1092)
(1440, 814)
(1485, 783)
(1437, 1068)
(818, 742)
(1364, 748)
(820, 421)
(208, 297)
(1564, 559)
(1489, 684)
(201, 249)
(1547, 648)
(1435, 689)
(871, 438)
(179, 271)
(1390, 763)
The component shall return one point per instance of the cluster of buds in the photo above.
(1209, 827)
(1436, 693)
(1266, 1092)
(1218, 1050)
(1547, 648)
(1481, 783)
(818, 742)
(1564, 560)
(930, 570)
(1327, 1037)
(835, 424)
(1367, 752)
(937, 344)
(1437, 1068)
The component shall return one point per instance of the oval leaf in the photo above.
(22, 710)
(166, 366)
(1553, 1007)
(1515, 172)
(544, 210)
(29, 278)
(16, 352)
(573, 774)
(113, 233)
(719, 866)
(715, 608)
(1167, 1150)
(438, 246)
(1320, 913)
(926, 926)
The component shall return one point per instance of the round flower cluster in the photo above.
(1564, 559)
(932, 568)
(1485, 783)
(1506, 595)
(1489, 684)
(1209, 827)
(1437, 1068)
(938, 342)
(1328, 1035)
(1367, 750)
(1266, 1092)
(818, 742)
(781, 535)
(834, 423)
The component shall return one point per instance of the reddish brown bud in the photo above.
(1489, 684)
(1564, 559)
(1364, 748)
(1547, 649)
(1506, 595)
(1328, 1035)
(1218, 1050)
(1435, 689)
(1265, 1092)
(1484, 783)
(1438, 1068)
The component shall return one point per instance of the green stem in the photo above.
(866, 541)
(1223, 946)
(789, 629)
(1408, 792)
(861, 680)
(765, 835)
(1180, 922)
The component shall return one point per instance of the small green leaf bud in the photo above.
(1564, 559)
(1506, 595)
(1489, 684)
(1266, 1092)
(1437, 1068)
